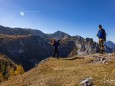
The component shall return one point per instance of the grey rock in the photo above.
(87, 82)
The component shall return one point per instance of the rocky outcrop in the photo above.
(87, 46)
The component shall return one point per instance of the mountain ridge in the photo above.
(110, 44)
(28, 47)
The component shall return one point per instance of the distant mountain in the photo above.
(26, 50)
(28, 47)
(59, 35)
(21, 31)
(110, 44)
(37, 33)
(84, 46)
(13, 31)
(78, 45)
(72, 45)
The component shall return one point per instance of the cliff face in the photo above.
(25, 50)
(87, 46)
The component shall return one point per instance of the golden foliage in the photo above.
(19, 70)
(11, 72)
(8, 68)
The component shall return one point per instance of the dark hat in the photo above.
(100, 25)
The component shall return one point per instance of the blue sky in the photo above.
(75, 17)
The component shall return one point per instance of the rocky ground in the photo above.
(69, 72)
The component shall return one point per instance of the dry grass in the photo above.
(13, 37)
(65, 72)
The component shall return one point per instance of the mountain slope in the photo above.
(110, 44)
(78, 43)
(26, 50)
(13, 31)
(84, 46)
(21, 31)
(67, 72)
(6, 65)
(28, 47)
(37, 33)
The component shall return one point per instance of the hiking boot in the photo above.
(101, 51)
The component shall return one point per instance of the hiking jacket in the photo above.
(101, 34)
(56, 45)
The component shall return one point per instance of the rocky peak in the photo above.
(60, 35)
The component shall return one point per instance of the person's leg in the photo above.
(57, 53)
(101, 46)
(54, 53)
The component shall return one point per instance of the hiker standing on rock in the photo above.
(56, 45)
(102, 38)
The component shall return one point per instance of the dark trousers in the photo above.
(56, 52)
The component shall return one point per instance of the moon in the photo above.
(22, 13)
